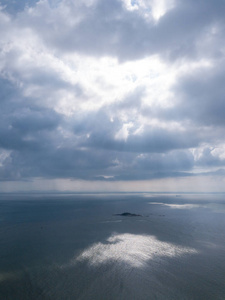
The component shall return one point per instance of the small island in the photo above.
(127, 214)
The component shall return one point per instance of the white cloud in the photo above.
(150, 8)
(161, 7)
(4, 154)
(123, 133)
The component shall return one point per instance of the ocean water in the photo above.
(76, 247)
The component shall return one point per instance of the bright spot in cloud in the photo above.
(152, 8)
(123, 133)
(161, 7)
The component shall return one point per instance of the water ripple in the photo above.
(135, 250)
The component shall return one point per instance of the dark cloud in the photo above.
(199, 100)
(22, 123)
(209, 159)
(202, 96)
(151, 140)
(109, 29)
(157, 165)
(94, 165)
(14, 7)
(38, 149)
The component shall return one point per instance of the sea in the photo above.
(81, 246)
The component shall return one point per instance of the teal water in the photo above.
(74, 247)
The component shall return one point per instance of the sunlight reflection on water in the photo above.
(135, 250)
(178, 206)
(215, 207)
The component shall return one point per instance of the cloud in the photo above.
(117, 90)
(202, 95)
(152, 140)
(99, 28)
(14, 7)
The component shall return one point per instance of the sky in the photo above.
(120, 95)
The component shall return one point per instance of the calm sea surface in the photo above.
(75, 247)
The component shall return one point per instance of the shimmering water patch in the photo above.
(135, 250)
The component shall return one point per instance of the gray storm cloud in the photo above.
(104, 90)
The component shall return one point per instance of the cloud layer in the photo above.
(119, 90)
